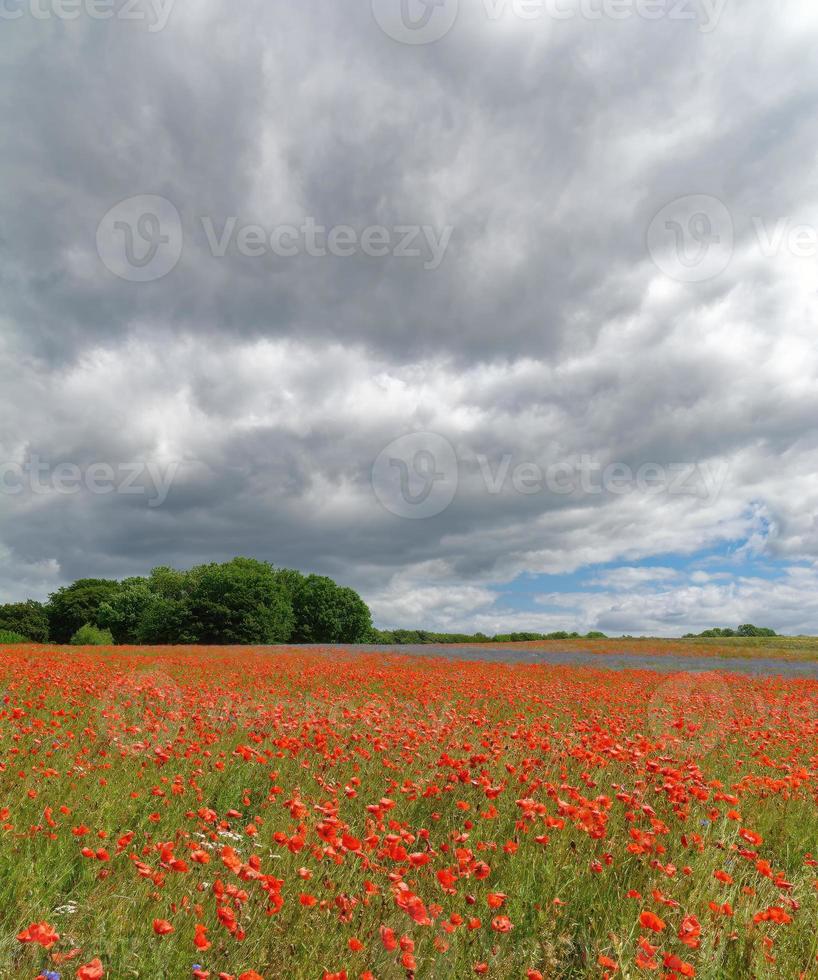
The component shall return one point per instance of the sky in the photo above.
(503, 312)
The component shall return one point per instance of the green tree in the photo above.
(170, 583)
(749, 630)
(75, 605)
(89, 635)
(290, 581)
(166, 621)
(123, 613)
(328, 613)
(240, 601)
(26, 618)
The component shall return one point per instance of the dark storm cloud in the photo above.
(272, 112)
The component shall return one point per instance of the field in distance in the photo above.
(755, 647)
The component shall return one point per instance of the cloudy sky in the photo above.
(504, 313)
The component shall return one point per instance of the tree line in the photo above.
(243, 601)
(747, 629)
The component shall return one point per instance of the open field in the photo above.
(294, 813)
(751, 648)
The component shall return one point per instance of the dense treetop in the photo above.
(243, 601)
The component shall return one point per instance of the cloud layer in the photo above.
(571, 363)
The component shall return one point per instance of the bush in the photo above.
(92, 636)
(7, 638)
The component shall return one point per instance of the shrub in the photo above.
(92, 636)
(7, 638)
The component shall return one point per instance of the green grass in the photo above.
(434, 737)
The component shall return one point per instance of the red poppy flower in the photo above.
(93, 970)
(649, 920)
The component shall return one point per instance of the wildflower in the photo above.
(649, 920)
(39, 932)
(501, 923)
(93, 970)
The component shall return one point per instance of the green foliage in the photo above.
(89, 635)
(243, 601)
(165, 617)
(290, 581)
(746, 630)
(328, 613)
(123, 613)
(749, 630)
(9, 638)
(165, 621)
(171, 583)
(26, 618)
(74, 605)
(240, 601)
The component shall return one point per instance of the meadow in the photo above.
(244, 813)
(798, 648)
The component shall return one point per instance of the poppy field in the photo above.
(240, 813)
